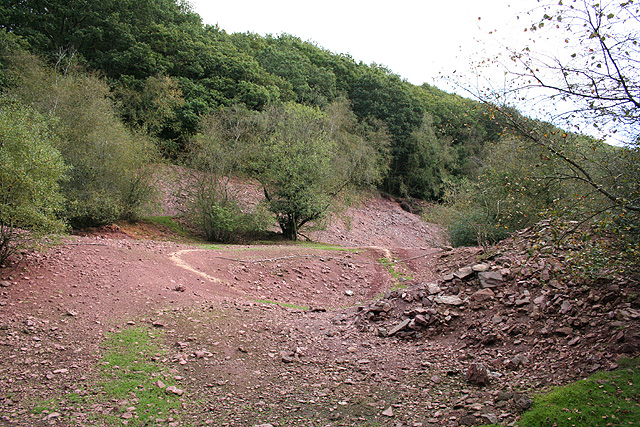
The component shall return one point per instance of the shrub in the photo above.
(211, 200)
(30, 171)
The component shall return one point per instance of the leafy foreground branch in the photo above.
(614, 171)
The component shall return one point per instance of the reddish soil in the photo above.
(242, 359)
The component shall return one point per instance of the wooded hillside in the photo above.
(126, 83)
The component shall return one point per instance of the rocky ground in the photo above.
(287, 335)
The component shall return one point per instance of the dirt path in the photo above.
(268, 364)
(56, 308)
(269, 335)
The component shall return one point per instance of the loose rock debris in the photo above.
(467, 342)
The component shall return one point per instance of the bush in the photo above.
(223, 220)
(469, 215)
(30, 171)
(107, 181)
(211, 205)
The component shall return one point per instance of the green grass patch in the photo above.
(126, 385)
(282, 304)
(391, 268)
(130, 373)
(326, 247)
(604, 399)
(212, 246)
(49, 405)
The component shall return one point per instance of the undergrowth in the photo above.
(170, 223)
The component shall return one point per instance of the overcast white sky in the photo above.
(417, 39)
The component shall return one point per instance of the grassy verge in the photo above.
(602, 400)
(326, 247)
(170, 223)
(126, 390)
(391, 268)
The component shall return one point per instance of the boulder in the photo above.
(481, 267)
(463, 273)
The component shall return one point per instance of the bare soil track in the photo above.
(255, 335)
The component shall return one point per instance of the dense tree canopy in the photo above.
(167, 71)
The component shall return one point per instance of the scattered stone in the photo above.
(160, 384)
(433, 289)
(491, 418)
(522, 402)
(574, 341)
(468, 420)
(158, 324)
(490, 279)
(287, 356)
(348, 293)
(422, 320)
(479, 268)
(449, 300)
(541, 300)
(483, 295)
(478, 374)
(388, 412)
(399, 327)
(564, 331)
(5, 284)
(175, 390)
(517, 361)
(463, 273)
(504, 395)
